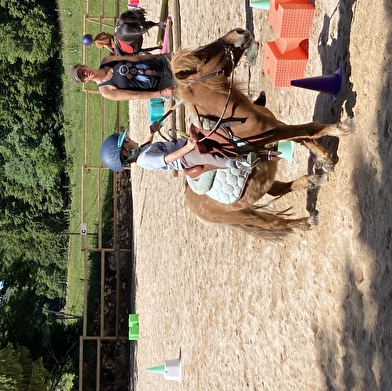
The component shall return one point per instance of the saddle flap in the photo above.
(194, 172)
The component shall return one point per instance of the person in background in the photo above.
(102, 40)
(129, 77)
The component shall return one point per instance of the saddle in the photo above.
(222, 142)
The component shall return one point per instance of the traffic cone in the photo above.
(160, 369)
(261, 4)
(286, 147)
(330, 84)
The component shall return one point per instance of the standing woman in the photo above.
(130, 77)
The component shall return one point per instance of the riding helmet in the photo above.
(87, 39)
(111, 151)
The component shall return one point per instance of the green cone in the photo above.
(159, 369)
(262, 4)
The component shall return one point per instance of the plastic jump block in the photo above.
(156, 109)
(284, 66)
(133, 323)
(292, 20)
(275, 3)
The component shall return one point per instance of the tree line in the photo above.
(34, 346)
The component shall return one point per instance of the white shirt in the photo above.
(152, 156)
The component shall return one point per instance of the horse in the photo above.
(205, 87)
(129, 30)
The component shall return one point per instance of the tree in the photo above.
(18, 372)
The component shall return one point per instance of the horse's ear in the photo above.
(184, 74)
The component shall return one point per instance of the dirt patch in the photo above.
(309, 313)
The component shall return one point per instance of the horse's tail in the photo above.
(262, 233)
(260, 221)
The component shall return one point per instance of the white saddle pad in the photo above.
(223, 185)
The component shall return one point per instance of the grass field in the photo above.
(88, 119)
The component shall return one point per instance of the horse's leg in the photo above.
(279, 188)
(324, 159)
(312, 130)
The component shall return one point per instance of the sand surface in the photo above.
(312, 312)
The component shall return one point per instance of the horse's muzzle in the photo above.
(247, 37)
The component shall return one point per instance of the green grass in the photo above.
(101, 120)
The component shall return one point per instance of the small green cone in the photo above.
(159, 369)
(287, 149)
(261, 4)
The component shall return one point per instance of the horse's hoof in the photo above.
(348, 126)
(324, 165)
(328, 167)
(314, 219)
(318, 179)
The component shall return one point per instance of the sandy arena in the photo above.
(310, 313)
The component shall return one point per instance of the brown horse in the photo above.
(203, 84)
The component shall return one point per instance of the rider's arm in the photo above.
(189, 146)
(147, 138)
(113, 93)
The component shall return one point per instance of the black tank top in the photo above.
(132, 76)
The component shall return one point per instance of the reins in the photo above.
(220, 71)
(228, 52)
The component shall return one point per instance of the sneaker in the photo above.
(248, 163)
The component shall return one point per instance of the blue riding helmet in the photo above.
(87, 39)
(111, 155)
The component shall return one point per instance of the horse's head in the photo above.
(238, 38)
(217, 58)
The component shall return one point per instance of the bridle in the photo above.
(229, 54)
(221, 70)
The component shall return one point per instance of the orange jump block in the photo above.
(285, 60)
(291, 19)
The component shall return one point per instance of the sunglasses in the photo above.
(130, 153)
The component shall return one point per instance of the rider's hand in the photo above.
(155, 127)
(191, 143)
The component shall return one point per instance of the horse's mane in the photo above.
(185, 66)
(136, 15)
(135, 19)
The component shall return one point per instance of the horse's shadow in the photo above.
(328, 109)
(363, 346)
